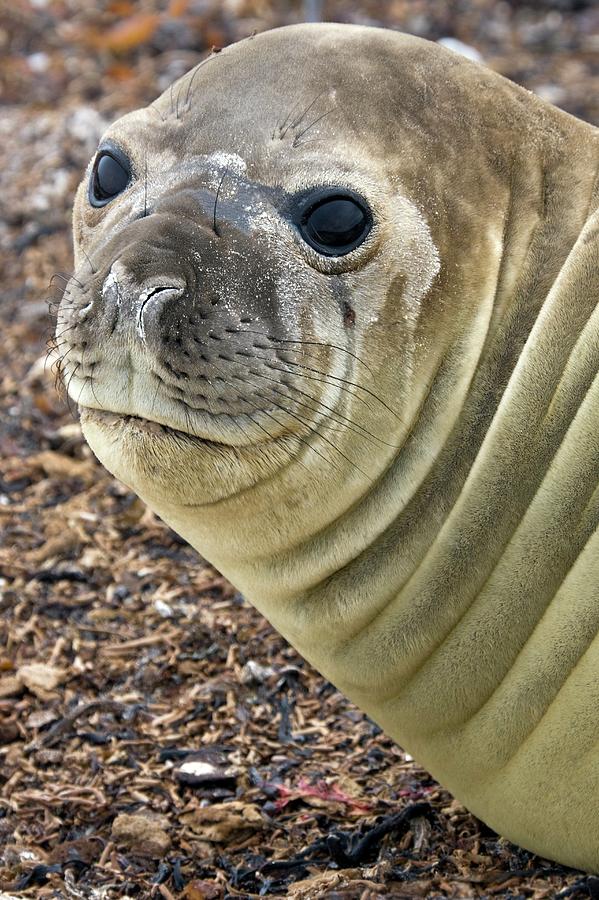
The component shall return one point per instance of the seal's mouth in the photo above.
(130, 423)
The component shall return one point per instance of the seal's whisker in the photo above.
(297, 140)
(60, 368)
(290, 456)
(93, 271)
(352, 383)
(272, 337)
(262, 411)
(63, 322)
(220, 184)
(293, 124)
(296, 437)
(159, 383)
(67, 389)
(60, 292)
(283, 128)
(59, 334)
(347, 421)
(337, 378)
(313, 140)
(287, 397)
(54, 345)
(54, 313)
(62, 359)
(65, 277)
(339, 426)
(92, 388)
(52, 350)
(322, 437)
(55, 306)
(157, 111)
(188, 425)
(322, 380)
(145, 185)
(82, 388)
(193, 75)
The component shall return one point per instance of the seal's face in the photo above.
(260, 271)
(232, 261)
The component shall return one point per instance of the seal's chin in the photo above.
(167, 466)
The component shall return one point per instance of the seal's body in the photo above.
(334, 317)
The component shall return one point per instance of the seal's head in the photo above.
(275, 263)
(239, 243)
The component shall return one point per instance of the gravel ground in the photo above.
(157, 738)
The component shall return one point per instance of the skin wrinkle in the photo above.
(408, 677)
(427, 659)
(407, 490)
(537, 628)
(513, 759)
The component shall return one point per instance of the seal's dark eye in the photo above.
(335, 225)
(110, 176)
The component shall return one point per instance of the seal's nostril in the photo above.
(169, 288)
(157, 294)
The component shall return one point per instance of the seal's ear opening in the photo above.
(111, 174)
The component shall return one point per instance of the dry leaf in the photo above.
(61, 466)
(141, 834)
(203, 890)
(129, 33)
(10, 686)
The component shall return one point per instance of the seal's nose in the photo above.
(152, 299)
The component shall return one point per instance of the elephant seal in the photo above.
(334, 318)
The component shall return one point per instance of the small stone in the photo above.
(222, 823)
(553, 93)
(38, 62)
(9, 731)
(40, 678)
(163, 609)
(208, 766)
(254, 673)
(40, 717)
(460, 47)
(198, 771)
(86, 849)
(141, 834)
(48, 757)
